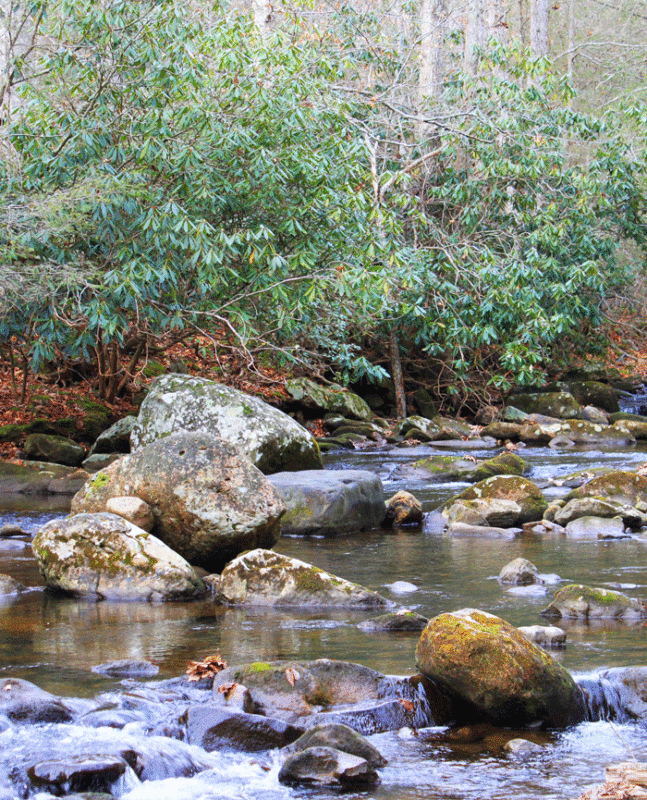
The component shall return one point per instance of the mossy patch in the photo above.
(259, 666)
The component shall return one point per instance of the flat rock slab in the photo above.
(213, 727)
(329, 501)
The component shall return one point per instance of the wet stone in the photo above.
(127, 668)
(214, 727)
(81, 773)
(325, 766)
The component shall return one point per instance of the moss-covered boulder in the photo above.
(502, 464)
(580, 507)
(331, 399)
(631, 427)
(583, 432)
(511, 489)
(503, 430)
(54, 449)
(577, 601)
(265, 578)
(208, 501)
(620, 486)
(272, 440)
(561, 405)
(496, 672)
(106, 556)
(439, 468)
(591, 392)
(421, 428)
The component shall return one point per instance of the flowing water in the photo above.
(54, 641)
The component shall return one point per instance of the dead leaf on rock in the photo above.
(207, 668)
(225, 688)
(292, 675)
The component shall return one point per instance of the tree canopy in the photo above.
(172, 169)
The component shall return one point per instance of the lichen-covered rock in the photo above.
(272, 441)
(583, 432)
(55, 449)
(332, 399)
(637, 430)
(502, 676)
(561, 405)
(520, 572)
(426, 430)
(264, 578)
(491, 513)
(107, 556)
(593, 506)
(329, 501)
(403, 509)
(511, 489)
(503, 430)
(577, 601)
(209, 502)
(326, 766)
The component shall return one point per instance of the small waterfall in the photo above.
(635, 403)
(603, 700)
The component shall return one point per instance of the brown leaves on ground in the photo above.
(207, 668)
(292, 675)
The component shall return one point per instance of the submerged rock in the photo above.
(127, 668)
(402, 620)
(9, 586)
(272, 441)
(265, 578)
(325, 766)
(329, 501)
(545, 635)
(497, 672)
(107, 556)
(578, 601)
(209, 502)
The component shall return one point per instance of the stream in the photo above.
(53, 642)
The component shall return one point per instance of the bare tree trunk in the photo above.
(433, 16)
(539, 13)
(475, 34)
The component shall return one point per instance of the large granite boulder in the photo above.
(501, 501)
(497, 672)
(268, 437)
(329, 501)
(332, 399)
(265, 578)
(577, 601)
(106, 556)
(209, 502)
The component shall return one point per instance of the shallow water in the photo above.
(54, 641)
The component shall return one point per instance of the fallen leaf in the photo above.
(208, 667)
(292, 675)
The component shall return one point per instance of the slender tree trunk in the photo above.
(475, 34)
(396, 374)
(433, 16)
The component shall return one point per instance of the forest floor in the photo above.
(47, 398)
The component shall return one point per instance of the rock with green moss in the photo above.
(265, 578)
(394, 622)
(577, 601)
(105, 556)
(513, 501)
(561, 405)
(272, 440)
(54, 449)
(329, 502)
(331, 399)
(502, 464)
(209, 502)
(314, 692)
(620, 486)
(426, 430)
(496, 672)
(583, 432)
(631, 427)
